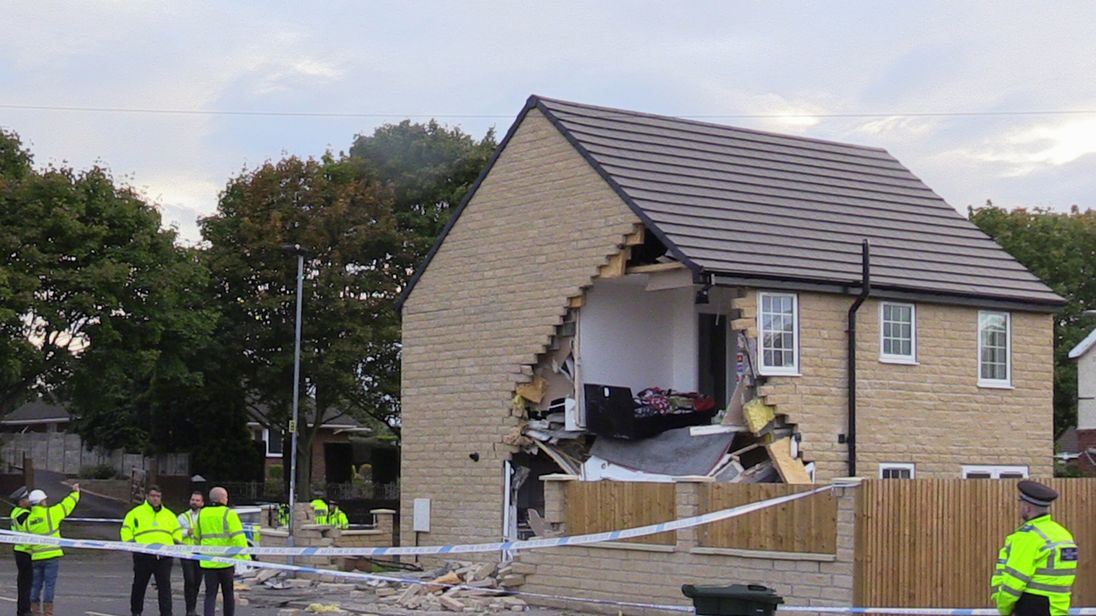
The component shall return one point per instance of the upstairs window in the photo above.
(778, 324)
(897, 333)
(994, 361)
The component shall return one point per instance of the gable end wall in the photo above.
(535, 233)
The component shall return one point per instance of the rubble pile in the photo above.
(453, 587)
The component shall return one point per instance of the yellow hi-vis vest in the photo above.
(47, 521)
(143, 524)
(1039, 558)
(338, 519)
(320, 508)
(220, 526)
(16, 513)
(191, 523)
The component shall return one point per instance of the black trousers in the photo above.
(219, 578)
(1031, 605)
(25, 576)
(144, 567)
(192, 583)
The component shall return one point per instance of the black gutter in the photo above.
(865, 288)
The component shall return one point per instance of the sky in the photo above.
(203, 91)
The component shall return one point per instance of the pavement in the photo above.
(97, 583)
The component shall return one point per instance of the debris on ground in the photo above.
(456, 586)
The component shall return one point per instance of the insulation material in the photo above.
(757, 415)
(533, 392)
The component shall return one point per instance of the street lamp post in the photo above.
(297, 250)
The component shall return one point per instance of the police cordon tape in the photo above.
(223, 555)
(529, 544)
(10, 537)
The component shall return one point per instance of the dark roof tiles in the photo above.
(750, 203)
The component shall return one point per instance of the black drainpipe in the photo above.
(865, 288)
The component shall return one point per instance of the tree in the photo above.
(430, 168)
(344, 221)
(17, 354)
(1059, 248)
(87, 262)
(99, 307)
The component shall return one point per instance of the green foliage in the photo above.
(345, 223)
(97, 471)
(430, 168)
(1059, 248)
(98, 306)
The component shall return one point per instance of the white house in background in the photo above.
(1085, 356)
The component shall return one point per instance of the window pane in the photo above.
(778, 331)
(897, 330)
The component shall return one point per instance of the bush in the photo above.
(274, 472)
(98, 471)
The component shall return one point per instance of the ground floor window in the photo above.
(994, 471)
(896, 470)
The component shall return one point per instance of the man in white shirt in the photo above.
(192, 572)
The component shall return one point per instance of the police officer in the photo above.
(1037, 565)
(151, 523)
(19, 515)
(220, 526)
(336, 517)
(320, 508)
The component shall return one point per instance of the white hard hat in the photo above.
(36, 496)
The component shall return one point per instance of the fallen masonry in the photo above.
(456, 586)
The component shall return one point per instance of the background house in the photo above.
(36, 416)
(1079, 444)
(333, 458)
(617, 248)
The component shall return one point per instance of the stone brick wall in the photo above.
(932, 414)
(654, 574)
(309, 534)
(535, 234)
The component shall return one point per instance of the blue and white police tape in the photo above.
(349, 575)
(7, 537)
(529, 544)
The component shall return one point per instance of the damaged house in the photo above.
(633, 297)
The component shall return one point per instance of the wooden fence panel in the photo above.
(934, 543)
(597, 506)
(806, 525)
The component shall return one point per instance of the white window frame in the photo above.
(994, 470)
(897, 466)
(266, 440)
(792, 370)
(1005, 383)
(890, 358)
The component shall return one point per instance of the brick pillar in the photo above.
(385, 521)
(555, 499)
(686, 505)
(842, 588)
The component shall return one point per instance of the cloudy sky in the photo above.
(946, 87)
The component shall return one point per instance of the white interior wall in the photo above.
(637, 338)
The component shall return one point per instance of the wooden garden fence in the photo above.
(934, 543)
